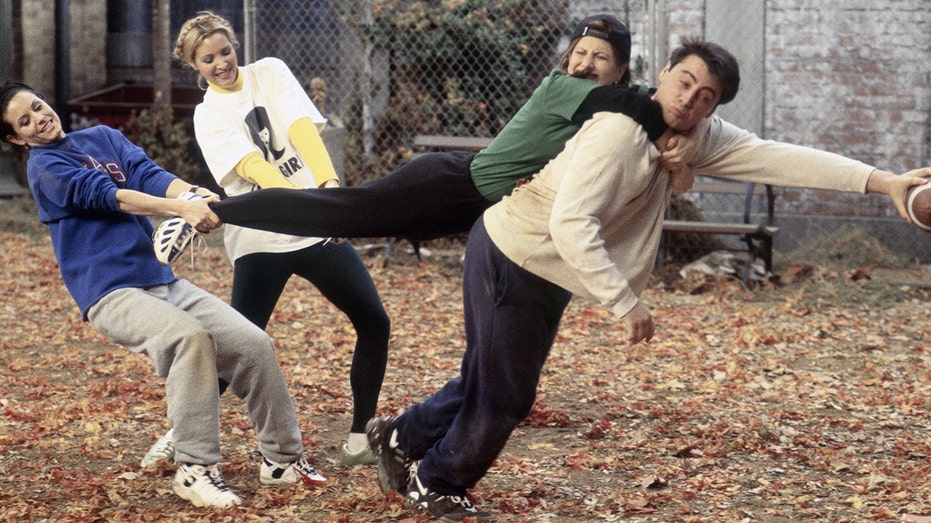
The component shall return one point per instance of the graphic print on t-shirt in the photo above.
(260, 130)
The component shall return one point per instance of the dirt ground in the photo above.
(803, 399)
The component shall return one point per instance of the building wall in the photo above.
(38, 46)
(88, 46)
(87, 50)
(847, 76)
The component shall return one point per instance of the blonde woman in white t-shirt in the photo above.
(258, 129)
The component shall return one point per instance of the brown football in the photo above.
(919, 206)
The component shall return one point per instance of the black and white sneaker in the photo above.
(394, 467)
(203, 486)
(440, 506)
(273, 473)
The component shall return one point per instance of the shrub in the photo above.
(170, 143)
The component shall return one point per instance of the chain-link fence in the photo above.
(388, 70)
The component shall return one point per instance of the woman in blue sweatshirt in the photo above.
(94, 190)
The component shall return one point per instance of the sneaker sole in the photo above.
(191, 496)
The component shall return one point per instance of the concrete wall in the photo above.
(88, 46)
(38, 46)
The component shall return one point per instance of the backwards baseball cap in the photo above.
(618, 34)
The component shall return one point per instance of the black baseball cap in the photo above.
(618, 36)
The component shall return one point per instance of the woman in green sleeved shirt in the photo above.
(443, 193)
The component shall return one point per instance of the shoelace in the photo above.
(213, 475)
(197, 239)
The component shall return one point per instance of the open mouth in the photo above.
(225, 76)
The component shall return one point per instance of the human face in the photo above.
(215, 59)
(594, 58)
(33, 120)
(687, 92)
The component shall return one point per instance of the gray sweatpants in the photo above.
(193, 338)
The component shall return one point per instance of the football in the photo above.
(919, 206)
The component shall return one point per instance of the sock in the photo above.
(357, 442)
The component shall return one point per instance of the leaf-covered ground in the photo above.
(807, 401)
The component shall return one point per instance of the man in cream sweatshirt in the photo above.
(588, 224)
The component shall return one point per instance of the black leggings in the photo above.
(341, 277)
(429, 197)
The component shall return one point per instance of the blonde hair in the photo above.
(196, 30)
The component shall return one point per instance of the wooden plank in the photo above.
(719, 186)
(444, 142)
(718, 228)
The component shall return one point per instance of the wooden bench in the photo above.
(755, 229)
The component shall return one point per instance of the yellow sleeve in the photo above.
(254, 168)
(306, 139)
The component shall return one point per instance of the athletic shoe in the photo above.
(164, 448)
(440, 506)
(394, 467)
(203, 486)
(171, 238)
(173, 235)
(273, 473)
(363, 457)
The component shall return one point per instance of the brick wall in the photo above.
(847, 76)
(851, 77)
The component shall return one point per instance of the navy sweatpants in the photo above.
(511, 319)
(429, 197)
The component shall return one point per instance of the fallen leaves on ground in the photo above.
(803, 402)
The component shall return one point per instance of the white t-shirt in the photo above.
(228, 126)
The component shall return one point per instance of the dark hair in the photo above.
(606, 27)
(7, 91)
(721, 64)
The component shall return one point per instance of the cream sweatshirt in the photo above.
(591, 220)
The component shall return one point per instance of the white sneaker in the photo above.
(173, 235)
(164, 448)
(203, 486)
(171, 238)
(272, 473)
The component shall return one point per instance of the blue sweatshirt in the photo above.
(99, 248)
